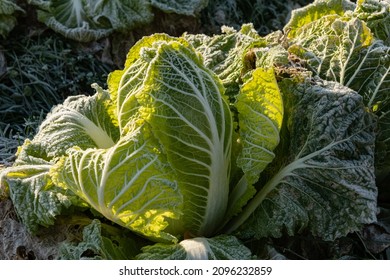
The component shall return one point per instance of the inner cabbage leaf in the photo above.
(183, 103)
(260, 115)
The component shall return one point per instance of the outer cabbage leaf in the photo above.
(333, 47)
(315, 11)
(345, 51)
(69, 18)
(130, 183)
(222, 247)
(225, 54)
(372, 80)
(376, 13)
(83, 121)
(326, 181)
(120, 15)
(36, 199)
(183, 103)
(80, 121)
(96, 246)
(182, 7)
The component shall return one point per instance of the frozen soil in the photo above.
(18, 244)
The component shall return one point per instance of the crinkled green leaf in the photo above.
(120, 15)
(96, 246)
(130, 183)
(345, 51)
(124, 84)
(225, 54)
(326, 182)
(268, 57)
(69, 18)
(260, 115)
(333, 47)
(90, 20)
(372, 80)
(260, 112)
(181, 7)
(36, 199)
(166, 85)
(83, 121)
(222, 247)
(315, 11)
(376, 13)
(80, 121)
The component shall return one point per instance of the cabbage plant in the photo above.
(90, 20)
(201, 143)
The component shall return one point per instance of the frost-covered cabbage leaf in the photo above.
(270, 57)
(165, 84)
(343, 49)
(97, 246)
(120, 15)
(223, 247)
(89, 20)
(182, 7)
(125, 84)
(326, 175)
(376, 13)
(83, 121)
(259, 104)
(36, 199)
(80, 121)
(315, 11)
(225, 54)
(333, 47)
